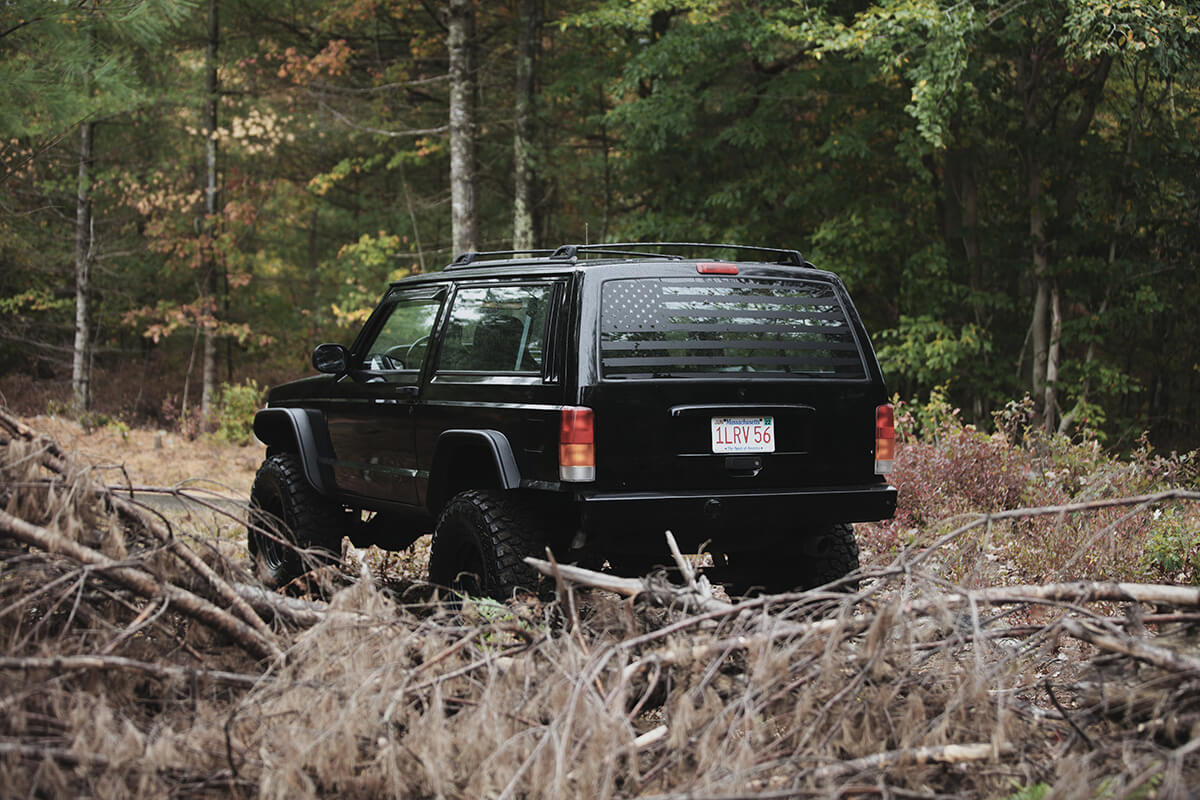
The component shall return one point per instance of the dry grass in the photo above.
(145, 457)
(910, 688)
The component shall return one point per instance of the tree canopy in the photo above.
(1008, 187)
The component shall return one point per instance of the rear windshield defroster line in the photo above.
(687, 327)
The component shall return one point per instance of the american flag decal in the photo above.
(688, 327)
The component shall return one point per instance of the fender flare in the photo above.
(301, 431)
(453, 440)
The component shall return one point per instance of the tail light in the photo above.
(885, 440)
(577, 445)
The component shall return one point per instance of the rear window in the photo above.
(685, 327)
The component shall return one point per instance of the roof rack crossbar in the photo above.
(569, 251)
(469, 257)
(782, 256)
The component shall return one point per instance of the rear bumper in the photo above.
(729, 520)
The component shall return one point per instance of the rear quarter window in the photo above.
(496, 329)
(684, 327)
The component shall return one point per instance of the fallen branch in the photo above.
(143, 584)
(68, 758)
(1160, 657)
(1083, 592)
(946, 754)
(1043, 511)
(56, 461)
(60, 664)
(626, 587)
(289, 610)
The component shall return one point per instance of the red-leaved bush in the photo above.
(948, 473)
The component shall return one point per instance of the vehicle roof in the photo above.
(573, 258)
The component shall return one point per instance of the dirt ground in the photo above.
(156, 458)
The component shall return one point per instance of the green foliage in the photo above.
(927, 421)
(1173, 546)
(927, 351)
(365, 267)
(66, 62)
(33, 300)
(926, 41)
(1034, 791)
(235, 407)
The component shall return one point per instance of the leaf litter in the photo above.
(129, 668)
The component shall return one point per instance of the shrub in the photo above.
(1172, 546)
(946, 469)
(234, 411)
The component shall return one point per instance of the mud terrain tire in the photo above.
(302, 528)
(828, 555)
(480, 543)
(833, 554)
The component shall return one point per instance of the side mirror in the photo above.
(332, 359)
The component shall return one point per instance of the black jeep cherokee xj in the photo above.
(587, 399)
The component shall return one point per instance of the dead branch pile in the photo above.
(130, 666)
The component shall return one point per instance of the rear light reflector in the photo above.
(717, 269)
(885, 440)
(577, 445)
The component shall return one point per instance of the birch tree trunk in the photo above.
(527, 23)
(1060, 184)
(1041, 302)
(81, 367)
(209, 278)
(463, 212)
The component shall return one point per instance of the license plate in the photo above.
(743, 434)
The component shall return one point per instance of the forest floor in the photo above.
(145, 457)
(131, 667)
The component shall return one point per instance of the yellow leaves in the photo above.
(349, 318)
(156, 196)
(426, 147)
(321, 183)
(256, 132)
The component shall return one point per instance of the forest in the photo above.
(195, 192)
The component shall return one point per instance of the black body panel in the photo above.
(434, 404)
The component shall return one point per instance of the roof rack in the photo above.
(470, 257)
(782, 256)
(572, 252)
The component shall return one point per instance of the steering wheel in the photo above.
(408, 354)
(393, 357)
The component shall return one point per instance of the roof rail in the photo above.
(782, 256)
(572, 252)
(470, 257)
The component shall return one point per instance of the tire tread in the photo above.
(510, 527)
(313, 524)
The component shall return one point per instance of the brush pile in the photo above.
(138, 661)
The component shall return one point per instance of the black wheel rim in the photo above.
(466, 561)
(269, 519)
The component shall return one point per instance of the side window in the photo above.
(403, 339)
(496, 329)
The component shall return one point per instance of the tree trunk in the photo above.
(209, 290)
(1046, 326)
(463, 211)
(1041, 303)
(1050, 396)
(81, 367)
(527, 23)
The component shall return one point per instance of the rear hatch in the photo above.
(762, 379)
